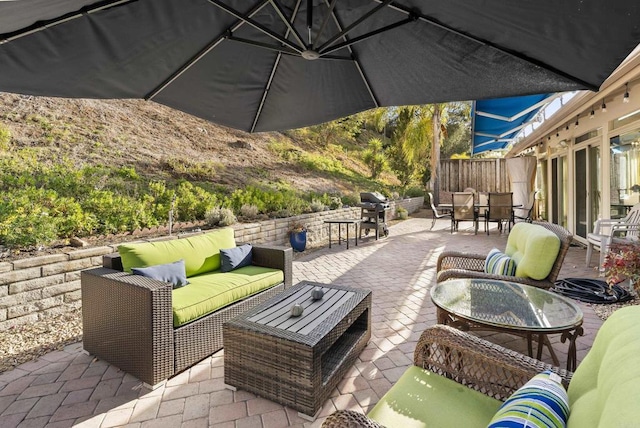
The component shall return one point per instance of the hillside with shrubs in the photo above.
(78, 168)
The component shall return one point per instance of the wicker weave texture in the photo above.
(128, 321)
(349, 419)
(480, 365)
(299, 371)
(455, 264)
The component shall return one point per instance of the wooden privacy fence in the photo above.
(484, 175)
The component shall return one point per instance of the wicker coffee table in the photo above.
(512, 308)
(297, 361)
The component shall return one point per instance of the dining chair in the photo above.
(500, 209)
(463, 210)
(481, 207)
(446, 213)
(526, 211)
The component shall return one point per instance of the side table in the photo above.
(350, 221)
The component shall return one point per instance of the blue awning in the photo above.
(496, 122)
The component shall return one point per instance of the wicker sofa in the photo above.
(131, 321)
(460, 380)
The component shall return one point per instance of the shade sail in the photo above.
(497, 122)
(264, 65)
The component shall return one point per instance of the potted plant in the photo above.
(402, 213)
(298, 236)
(623, 262)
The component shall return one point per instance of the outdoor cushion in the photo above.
(234, 258)
(605, 387)
(421, 399)
(212, 291)
(534, 249)
(170, 272)
(540, 403)
(201, 253)
(499, 263)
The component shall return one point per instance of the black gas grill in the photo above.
(373, 212)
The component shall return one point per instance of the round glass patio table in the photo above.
(510, 307)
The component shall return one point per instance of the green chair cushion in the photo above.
(605, 387)
(211, 291)
(421, 399)
(201, 253)
(534, 249)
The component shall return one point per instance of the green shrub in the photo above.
(116, 213)
(190, 169)
(351, 200)
(317, 206)
(414, 192)
(268, 201)
(26, 229)
(249, 212)
(5, 138)
(192, 202)
(220, 217)
(71, 219)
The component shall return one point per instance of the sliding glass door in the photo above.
(587, 189)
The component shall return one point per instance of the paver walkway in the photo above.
(68, 388)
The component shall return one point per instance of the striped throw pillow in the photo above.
(540, 403)
(499, 263)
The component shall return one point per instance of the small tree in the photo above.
(374, 157)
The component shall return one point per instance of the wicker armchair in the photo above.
(454, 264)
(480, 365)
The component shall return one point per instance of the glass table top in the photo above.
(506, 305)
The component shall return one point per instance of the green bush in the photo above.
(249, 212)
(5, 138)
(26, 229)
(268, 201)
(317, 206)
(192, 202)
(414, 192)
(220, 217)
(351, 200)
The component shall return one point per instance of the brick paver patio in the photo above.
(69, 388)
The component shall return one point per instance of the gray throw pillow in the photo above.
(174, 273)
(234, 258)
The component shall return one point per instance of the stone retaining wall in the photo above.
(39, 287)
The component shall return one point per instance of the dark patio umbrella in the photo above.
(279, 64)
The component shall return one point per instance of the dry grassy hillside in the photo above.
(159, 142)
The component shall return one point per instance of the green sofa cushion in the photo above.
(534, 249)
(421, 399)
(211, 291)
(201, 253)
(605, 387)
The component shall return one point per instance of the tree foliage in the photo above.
(375, 158)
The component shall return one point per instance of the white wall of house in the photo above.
(559, 137)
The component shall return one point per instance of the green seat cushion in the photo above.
(605, 387)
(534, 249)
(421, 399)
(212, 291)
(201, 253)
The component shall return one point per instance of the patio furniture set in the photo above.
(293, 344)
(491, 207)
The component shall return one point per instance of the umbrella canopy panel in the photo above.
(279, 64)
